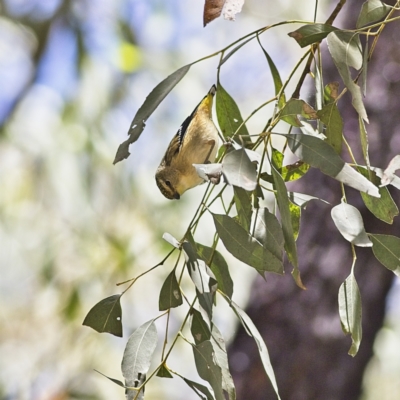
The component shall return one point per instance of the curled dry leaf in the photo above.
(212, 10)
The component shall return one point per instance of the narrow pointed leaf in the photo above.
(137, 355)
(219, 267)
(350, 311)
(313, 33)
(349, 222)
(212, 10)
(323, 156)
(243, 206)
(198, 388)
(116, 381)
(372, 11)
(207, 368)
(389, 172)
(284, 210)
(170, 294)
(386, 249)
(332, 119)
(234, 50)
(153, 100)
(239, 171)
(252, 331)
(364, 141)
(244, 247)
(301, 199)
(106, 316)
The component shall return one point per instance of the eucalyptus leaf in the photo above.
(234, 50)
(364, 141)
(350, 311)
(138, 354)
(333, 122)
(323, 156)
(106, 316)
(153, 100)
(170, 294)
(312, 33)
(171, 240)
(386, 249)
(242, 200)
(372, 11)
(198, 388)
(389, 172)
(199, 328)
(349, 222)
(295, 107)
(163, 372)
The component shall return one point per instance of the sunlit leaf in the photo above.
(209, 172)
(106, 316)
(221, 359)
(153, 100)
(138, 354)
(312, 33)
(244, 247)
(292, 172)
(389, 172)
(386, 249)
(207, 368)
(252, 331)
(301, 199)
(349, 222)
(345, 49)
(171, 240)
(323, 156)
(198, 327)
(332, 119)
(372, 11)
(170, 294)
(219, 267)
(350, 311)
(239, 171)
(284, 210)
(231, 8)
(212, 10)
(384, 207)
(331, 92)
(243, 206)
(295, 107)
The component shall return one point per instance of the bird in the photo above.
(196, 142)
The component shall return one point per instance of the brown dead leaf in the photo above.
(212, 10)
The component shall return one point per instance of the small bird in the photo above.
(196, 142)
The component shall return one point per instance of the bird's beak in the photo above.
(177, 196)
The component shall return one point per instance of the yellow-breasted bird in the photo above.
(196, 142)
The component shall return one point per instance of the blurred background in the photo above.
(72, 225)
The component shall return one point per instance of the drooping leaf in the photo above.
(275, 77)
(243, 206)
(350, 311)
(349, 222)
(386, 249)
(323, 156)
(137, 356)
(234, 50)
(116, 381)
(207, 368)
(282, 200)
(313, 33)
(170, 294)
(199, 389)
(395, 182)
(346, 51)
(199, 328)
(364, 69)
(153, 100)
(252, 331)
(332, 119)
(229, 116)
(364, 141)
(219, 267)
(106, 316)
(239, 171)
(301, 199)
(372, 11)
(268, 232)
(163, 372)
(295, 107)
(384, 207)
(295, 214)
(212, 10)
(221, 359)
(244, 247)
(389, 172)
(231, 8)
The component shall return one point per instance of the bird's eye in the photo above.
(168, 183)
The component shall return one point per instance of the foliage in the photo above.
(253, 233)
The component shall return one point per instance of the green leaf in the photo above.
(244, 247)
(170, 294)
(295, 214)
(323, 156)
(383, 208)
(239, 171)
(106, 316)
(234, 50)
(221, 359)
(284, 210)
(332, 119)
(277, 159)
(252, 331)
(243, 206)
(349, 222)
(372, 11)
(137, 355)
(268, 232)
(153, 100)
(313, 33)
(207, 368)
(295, 107)
(331, 92)
(292, 172)
(275, 77)
(350, 311)
(163, 372)
(199, 328)
(386, 249)
(346, 51)
(228, 114)
(219, 267)
(364, 141)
